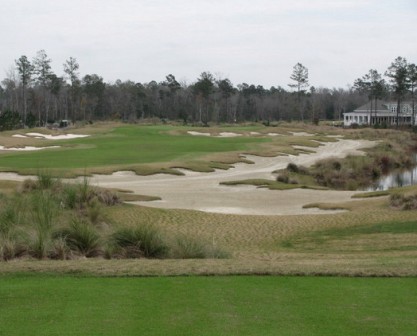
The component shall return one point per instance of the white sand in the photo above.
(301, 134)
(202, 191)
(198, 133)
(221, 135)
(55, 137)
(228, 135)
(19, 136)
(274, 134)
(26, 148)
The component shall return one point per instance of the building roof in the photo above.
(380, 106)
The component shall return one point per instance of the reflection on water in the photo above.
(394, 180)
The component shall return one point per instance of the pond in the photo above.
(396, 179)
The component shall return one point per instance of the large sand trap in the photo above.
(201, 191)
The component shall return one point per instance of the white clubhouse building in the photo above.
(385, 113)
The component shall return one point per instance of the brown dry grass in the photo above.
(255, 244)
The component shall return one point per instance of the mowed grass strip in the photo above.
(122, 146)
(383, 236)
(50, 305)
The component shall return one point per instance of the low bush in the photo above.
(283, 178)
(403, 202)
(81, 237)
(142, 241)
(60, 249)
(292, 167)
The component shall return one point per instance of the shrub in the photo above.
(9, 120)
(81, 237)
(94, 212)
(7, 250)
(292, 167)
(385, 163)
(337, 165)
(283, 177)
(45, 180)
(43, 213)
(84, 190)
(141, 241)
(59, 249)
(29, 185)
(70, 196)
(39, 247)
(107, 197)
(403, 202)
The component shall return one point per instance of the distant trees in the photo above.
(42, 72)
(412, 81)
(71, 67)
(300, 77)
(398, 74)
(373, 85)
(38, 95)
(202, 90)
(25, 69)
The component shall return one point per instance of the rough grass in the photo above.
(263, 244)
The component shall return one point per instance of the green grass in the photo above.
(49, 305)
(125, 145)
(382, 236)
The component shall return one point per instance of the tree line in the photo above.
(34, 95)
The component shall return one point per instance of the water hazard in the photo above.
(396, 179)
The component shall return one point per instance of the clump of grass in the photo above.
(403, 202)
(185, 247)
(142, 241)
(43, 214)
(60, 249)
(82, 195)
(11, 247)
(29, 185)
(284, 177)
(94, 212)
(81, 237)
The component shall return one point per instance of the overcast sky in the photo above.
(257, 42)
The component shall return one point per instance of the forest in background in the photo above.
(31, 94)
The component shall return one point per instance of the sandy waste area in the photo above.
(202, 191)
(40, 136)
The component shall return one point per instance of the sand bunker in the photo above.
(198, 133)
(26, 148)
(301, 134)
(50, 137)
(221, 135)
(202, 191)
(228, 135)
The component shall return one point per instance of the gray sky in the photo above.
(257, 42)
